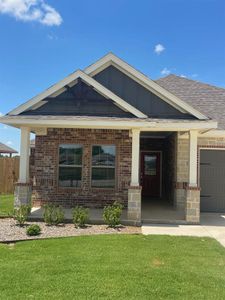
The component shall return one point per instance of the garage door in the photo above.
(212, 180)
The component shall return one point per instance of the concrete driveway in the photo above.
(212, 225)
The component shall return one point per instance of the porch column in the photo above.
(192, 189)
(193, 138)
(135, 157)
(23, 187)
(134, 192)
(24, 155)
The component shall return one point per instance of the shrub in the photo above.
(112, 214)
(33, 230)
(21, 214)
(80, 216)
(53, 215)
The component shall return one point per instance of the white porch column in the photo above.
(135, 157)
(134, 192)
(192, 189)
(23, 189)
(24, 155)
(193, 141)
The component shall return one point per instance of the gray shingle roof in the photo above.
(6, 149)
(208, 99)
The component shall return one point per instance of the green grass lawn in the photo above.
(6, 205)
(113, 267)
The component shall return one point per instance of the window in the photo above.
(103, 166)
(150, 164)
(70, 165)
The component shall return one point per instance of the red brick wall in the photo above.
(46, 187)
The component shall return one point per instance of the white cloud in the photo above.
(159, 48)
(165, 71)
(1, 114)
(31, 10)
(9, 143)
(189, 76)
(52, 37)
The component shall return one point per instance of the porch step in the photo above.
(163, 221)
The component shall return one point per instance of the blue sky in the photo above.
(44, 42)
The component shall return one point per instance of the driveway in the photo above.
(212, 225)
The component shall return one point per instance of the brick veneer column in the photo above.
(22, 194)
(192, 209)
(134, 191)
(23, 188)
(134, 204)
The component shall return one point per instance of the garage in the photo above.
(212, 180)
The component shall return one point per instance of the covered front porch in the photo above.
(149, 214)
(164, 182)
(173, 198)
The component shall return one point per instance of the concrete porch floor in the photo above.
(161, 212)
(151, 213)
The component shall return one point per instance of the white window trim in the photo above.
(70, 166)
(104, 167)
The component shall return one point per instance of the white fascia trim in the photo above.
(51, 90)
(111, 59)
(89, 80)
(213, 133)
(113, 124)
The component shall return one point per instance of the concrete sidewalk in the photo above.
(212, 225)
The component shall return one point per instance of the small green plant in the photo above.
(80, 216)
(53, 215)
(33, 229)
(21, 214)
(112, 214)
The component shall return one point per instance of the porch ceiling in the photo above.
(157, 135)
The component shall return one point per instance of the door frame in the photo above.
(160, 167)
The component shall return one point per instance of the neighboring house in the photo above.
(4, 150)
(110, 133)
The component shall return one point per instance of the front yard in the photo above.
(6, 205)
(113, 267)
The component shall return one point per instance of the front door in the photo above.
(150, 174)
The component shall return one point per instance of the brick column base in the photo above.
(192, 210)
(22, 194)
(180, 198)
(134, 205)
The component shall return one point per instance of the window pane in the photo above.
(70, 155)
(150, 164)
(70, 176)
(103, 155)
(103, 177)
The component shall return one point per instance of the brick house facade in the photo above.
(110, 133)
(46, 168)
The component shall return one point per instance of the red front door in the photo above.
(150, 174)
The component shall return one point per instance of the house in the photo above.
(4, 149)
(110, 133)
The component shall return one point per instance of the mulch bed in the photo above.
(10, 231)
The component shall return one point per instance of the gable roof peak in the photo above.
(111, 59)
